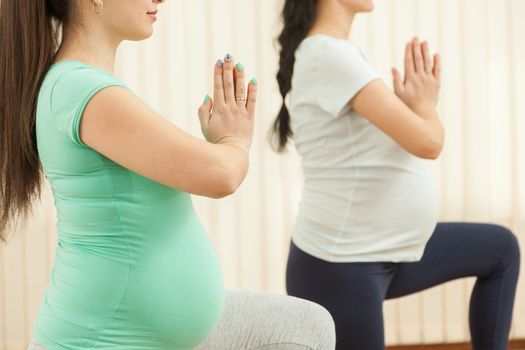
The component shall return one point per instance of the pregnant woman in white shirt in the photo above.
(367, 225)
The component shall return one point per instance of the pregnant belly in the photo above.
(176, 294)
(401, 210)
(405, 200)
(169, 296)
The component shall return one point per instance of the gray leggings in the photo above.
(266, 321)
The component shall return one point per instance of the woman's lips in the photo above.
(153, 14)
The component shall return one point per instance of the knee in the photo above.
(321, 327)
(510, 245)
(314, 326)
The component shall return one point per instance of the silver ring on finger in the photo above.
(240, 99)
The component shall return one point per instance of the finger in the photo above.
(218, 87)
(426, 58)
(205, 112)
(240, 89)
(409, 60)
(418, 57)
(398, 84)
(436, 71)
(252, 98)
(227, 78)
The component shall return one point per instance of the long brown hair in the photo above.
(29, 33)
(298, 17)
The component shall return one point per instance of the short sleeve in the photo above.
(70, 95)
(343, 72)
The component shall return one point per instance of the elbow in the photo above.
(431, 148)
(226, 177)
(227, 189)
(224, 187)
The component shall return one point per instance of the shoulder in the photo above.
(331, 51)
(73, 82)
(79, 76)
(69, 87)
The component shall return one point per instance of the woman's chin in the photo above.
(142, 35)
(369, 8)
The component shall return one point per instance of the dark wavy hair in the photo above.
(29, 33)
(297, 17)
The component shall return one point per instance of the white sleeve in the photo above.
(343, 71)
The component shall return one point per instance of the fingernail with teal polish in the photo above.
(219, 63)
(254, 81)
(228, 57)
(240, 67)
(206, 99)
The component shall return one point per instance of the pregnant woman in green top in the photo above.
(134, 268)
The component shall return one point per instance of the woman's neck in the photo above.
(332, 20)
(95, 50)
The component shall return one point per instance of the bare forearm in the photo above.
(234, 160)
(434, 130)
(223, 169)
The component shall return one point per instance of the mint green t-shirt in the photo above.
(134, 268)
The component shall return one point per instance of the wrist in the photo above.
(425, 110)
(237, 157)
(235, 142)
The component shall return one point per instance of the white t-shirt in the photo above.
(365, 198)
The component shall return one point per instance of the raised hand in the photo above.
(420, 88)
(229, 117)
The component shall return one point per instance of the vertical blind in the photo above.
(480, 173)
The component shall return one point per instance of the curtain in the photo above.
(480, 173)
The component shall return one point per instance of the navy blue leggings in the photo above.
(354, 292)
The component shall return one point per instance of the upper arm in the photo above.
(344, 73)
(384, 109)
(120, 126)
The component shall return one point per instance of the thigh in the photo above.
(259, 320)
(352, 292)
(455, 250)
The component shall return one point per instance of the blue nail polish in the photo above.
(219, 63)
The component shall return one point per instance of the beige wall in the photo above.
(480, 173)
